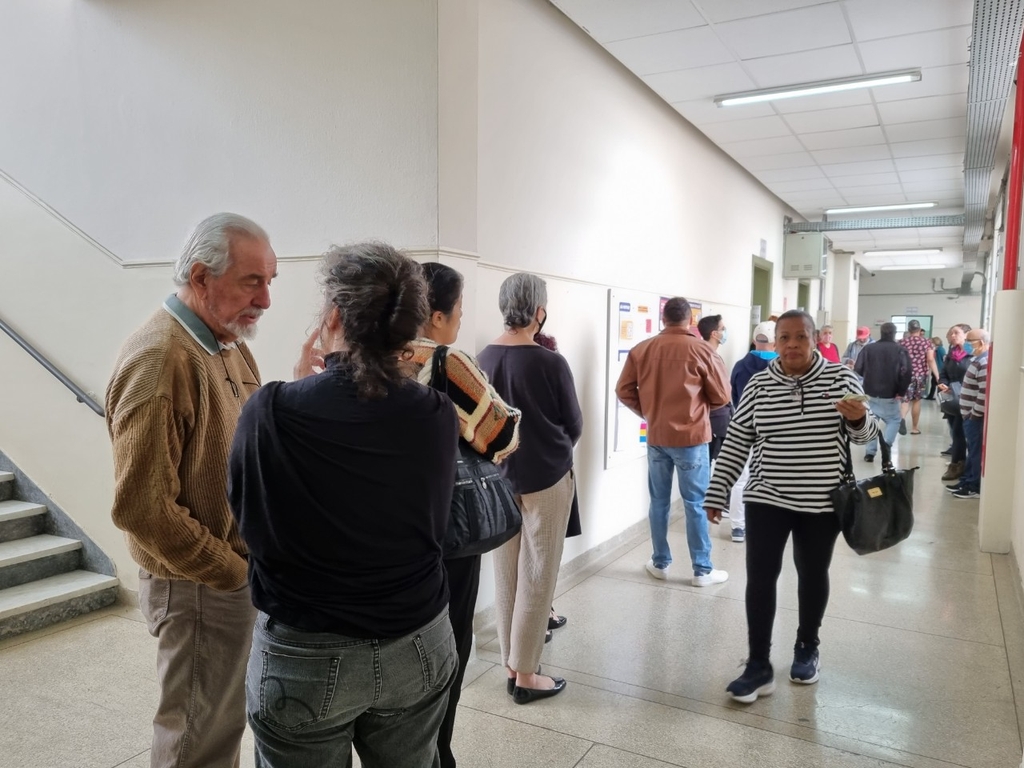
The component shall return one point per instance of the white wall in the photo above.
(587, 177)
(892, 293)
(135, 120)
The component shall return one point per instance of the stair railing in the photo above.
(39, 357)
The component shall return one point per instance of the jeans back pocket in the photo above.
(296, 691)
(436, 648)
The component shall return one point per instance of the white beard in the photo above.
(245, 332)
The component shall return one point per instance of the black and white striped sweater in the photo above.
(792, 433)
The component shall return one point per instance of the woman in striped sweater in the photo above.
(490, 426)
(790, 422)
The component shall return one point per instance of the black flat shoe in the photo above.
(526, 695)
(547, 636)
(510, 683)
(557, 623)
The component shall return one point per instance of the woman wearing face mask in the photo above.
(539, 383)
(825, 345)
(951, 376)
(485, 422)
(790, 423)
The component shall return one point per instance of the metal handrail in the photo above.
(80, 394)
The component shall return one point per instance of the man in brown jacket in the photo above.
(673, 383)
(172, 404)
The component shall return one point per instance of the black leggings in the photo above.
(956, 428)
(814, 539)
(463, 584)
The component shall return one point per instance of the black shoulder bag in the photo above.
(878, 512)
(484, 513)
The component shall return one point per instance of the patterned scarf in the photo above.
(958, 353)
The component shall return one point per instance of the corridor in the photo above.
(921, 651)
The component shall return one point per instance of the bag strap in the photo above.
(848, 462)
(438, 375)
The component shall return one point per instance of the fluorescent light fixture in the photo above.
(895, 207)
(915, 266)
(819, 87)
(906, 252)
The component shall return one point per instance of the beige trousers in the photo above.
(203, 639)
(525, 572)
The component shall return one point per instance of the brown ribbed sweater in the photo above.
(171, 413)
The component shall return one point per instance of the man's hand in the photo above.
(714, 515)
(943, 388)
(852, 410)
(311, 359)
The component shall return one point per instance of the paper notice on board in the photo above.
(626, 330)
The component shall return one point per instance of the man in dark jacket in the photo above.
(886, 370)
(756, 360)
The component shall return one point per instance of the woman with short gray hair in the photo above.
(539, 383)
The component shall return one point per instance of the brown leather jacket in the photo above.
(672, 381)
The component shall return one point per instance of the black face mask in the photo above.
(541, 326)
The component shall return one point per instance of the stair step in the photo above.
(6, 477)
(6, 485)
(15, 510)
(35, 547)
(51, 591)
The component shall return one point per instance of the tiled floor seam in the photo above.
(580, 761)
(742, 718)
(125, 762)
(1006, 601)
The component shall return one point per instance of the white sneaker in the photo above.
(656, 572)
(709, 579)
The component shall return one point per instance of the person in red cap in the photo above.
(862, 340)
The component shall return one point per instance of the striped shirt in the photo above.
(792, 433)
(975, 387)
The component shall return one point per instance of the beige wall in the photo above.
(892, 293)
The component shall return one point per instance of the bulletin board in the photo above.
(633, 316)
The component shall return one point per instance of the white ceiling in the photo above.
(902, 143)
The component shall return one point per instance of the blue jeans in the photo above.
(693, 469)
(313, 696)
(888, 410)
(974, 431)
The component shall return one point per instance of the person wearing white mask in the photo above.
(712, 329)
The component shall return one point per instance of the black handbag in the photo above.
(484, 513)
(876, 513)
(950, 400)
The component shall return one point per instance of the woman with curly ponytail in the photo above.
(341, 482)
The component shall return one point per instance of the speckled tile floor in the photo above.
(922, 653)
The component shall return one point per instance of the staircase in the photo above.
(41, 576)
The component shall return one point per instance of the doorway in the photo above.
(803, 295)
(760, 291)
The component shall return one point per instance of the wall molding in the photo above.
(420, 253)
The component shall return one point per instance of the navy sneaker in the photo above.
(869, 458)
(758, 679)
(966, 493)
(806, 664)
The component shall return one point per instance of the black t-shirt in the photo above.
(344, 503)
(539, 383)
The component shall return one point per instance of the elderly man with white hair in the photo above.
(173, 401)
(972, 408)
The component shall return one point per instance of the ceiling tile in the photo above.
(703, 82)
(934, 174)
(872, 19)
(833, 119)
(852, 137)
(742, 130)
(740, 149)
(836, 170)
(771, 162)
(866, 180)
(727, 10)
(852, 154)
(822, 102)
(706, 112)
(946, 231)
(854, 235)
(928, 190)
(803, 185)
(947, 146)
(608, 20)
(929, 161)
(928, 108)
(681, 49)
(935, 81)
(865, 195)
(819, 26)
(926, 49)
(789, 174)
(857, 198)
(927, 129)
(806, 66)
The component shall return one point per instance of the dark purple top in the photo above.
(539, 383)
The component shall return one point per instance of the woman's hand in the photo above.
(943, 388)
(852, 410)
(714, 515)
(311, 359)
